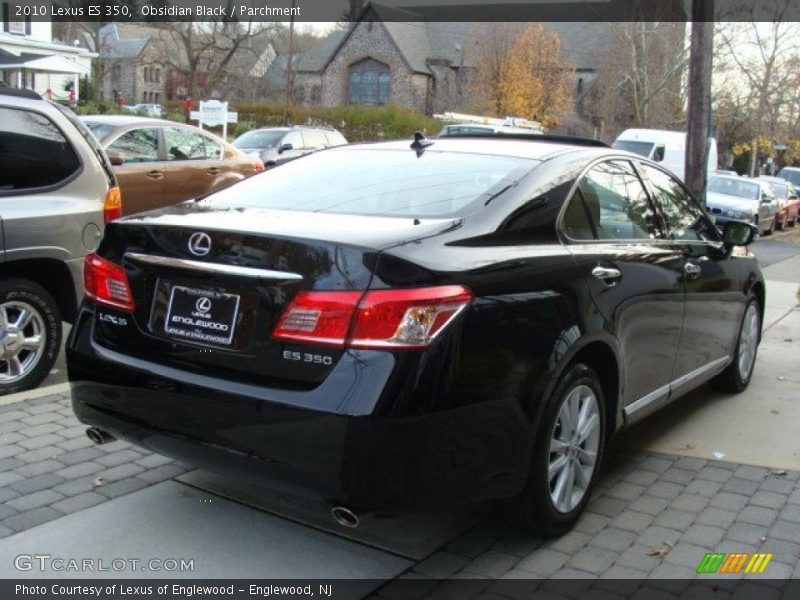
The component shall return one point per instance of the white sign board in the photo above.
(214, 113)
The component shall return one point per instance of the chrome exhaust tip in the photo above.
(345, 517)
(98, 436)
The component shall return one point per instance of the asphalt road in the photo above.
(769, 250)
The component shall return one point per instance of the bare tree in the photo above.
(641, 82)
(758, 70)
(206, 50)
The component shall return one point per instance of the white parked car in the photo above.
(151, 110)
(738, 198)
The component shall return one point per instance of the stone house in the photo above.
(134, 64)
(428, 66)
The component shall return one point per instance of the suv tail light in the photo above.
(106, 282)
(409, 318)
(258, 166)
(112, 206)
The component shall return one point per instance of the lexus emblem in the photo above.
(199, 244)
(203, 305)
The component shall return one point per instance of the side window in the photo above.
(335, 138)
(137, 145)
(684, 218)
(315, 139)
(213, 149)
(295, 139)
(33, 151)
(610, 203)
(184, 144)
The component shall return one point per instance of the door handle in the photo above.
(155, 174)
(214, 171)
(691, 269)
(606, 274)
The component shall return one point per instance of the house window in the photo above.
(147, 73)
(158, 75)
(369, 82)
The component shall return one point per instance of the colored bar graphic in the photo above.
(734, 562)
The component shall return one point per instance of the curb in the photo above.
(34, 393)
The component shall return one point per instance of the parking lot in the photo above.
(695, 478)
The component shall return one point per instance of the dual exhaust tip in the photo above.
(341, 514)
(98, 436)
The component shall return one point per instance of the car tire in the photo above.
(772, 227)
(27, 312)
(736, 376)
(540, 508)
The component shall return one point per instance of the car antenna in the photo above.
(420, 143)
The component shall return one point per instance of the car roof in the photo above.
(740, 179)
(124, 120)
(503, 146)
(19, 92)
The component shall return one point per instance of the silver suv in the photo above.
(57, 190)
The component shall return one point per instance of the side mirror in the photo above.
(115, 159)
(738, 233)
(284, 148)
(658, 154)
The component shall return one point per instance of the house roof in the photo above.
(117, 41)
(455, 42)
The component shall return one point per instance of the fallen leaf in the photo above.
(775, 411)
(788, 340)
(719, 455)
(781, 378)
(661, 552)
(97, 482)
(778, 472)
(763, 539)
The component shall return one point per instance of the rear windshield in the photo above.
(99, 130)
(792, 175)
(734, 187)
(640, 148)
(259, 139)
(369, 181)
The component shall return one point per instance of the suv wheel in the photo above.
(567, 452)
(30, 334)
(736, 377)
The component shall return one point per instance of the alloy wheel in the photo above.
(574, 445)
(22, 340)
(748, 341)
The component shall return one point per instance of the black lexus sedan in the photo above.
(395, 326)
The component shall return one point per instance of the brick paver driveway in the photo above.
(652, 515)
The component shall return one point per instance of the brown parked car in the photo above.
(161, 162)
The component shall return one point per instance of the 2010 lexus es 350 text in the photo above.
(395, 326)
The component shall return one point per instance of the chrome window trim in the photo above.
(209, 267)
(662, 392)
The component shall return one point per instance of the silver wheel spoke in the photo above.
(32, 343)
(14, 366)
(23, 319)
(557, 466)
(3, 318)
(587, 427)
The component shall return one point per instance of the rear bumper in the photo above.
(366, 461)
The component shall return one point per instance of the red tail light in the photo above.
(106, 282)
(112, 206)
(258, 166)
(409, 318)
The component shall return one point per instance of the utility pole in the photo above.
(698, 122)
(289, 76)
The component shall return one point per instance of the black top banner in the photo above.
(245, 11)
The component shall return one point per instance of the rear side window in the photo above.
(184, 144)
(379, 182)
(335, 138)
(315, 139)
(610, 203)
(33, 152)
(136, 145)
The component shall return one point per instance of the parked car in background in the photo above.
(277, 145)
(150, 110)
(726, 172)
(56, 190)
(389, 327)
(473, 129)
(162, 162)
(739, 198)
(790, 174)
(788, 202)
(665, 147)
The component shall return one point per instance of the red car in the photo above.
(788, 201)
